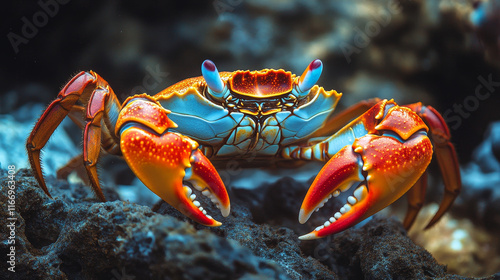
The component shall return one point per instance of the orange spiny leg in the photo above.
(96, 109)
(416, 198)
(382, 153)
(445, 154)
(81, 84)
(80, 88)
(162, 160)
(74, 164)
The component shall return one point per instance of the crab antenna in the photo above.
(309, 78)
(215, 85)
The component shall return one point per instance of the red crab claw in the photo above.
(162, 160)
(382, 167)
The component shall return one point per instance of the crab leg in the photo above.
(98, 104)
(383, 160)
(162, 160)
(81, 88)
(416, 197)
(445, 154)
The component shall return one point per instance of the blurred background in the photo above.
(443, 53)
(427, 51)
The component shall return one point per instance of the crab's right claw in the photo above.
(162, 160)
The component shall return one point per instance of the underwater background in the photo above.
(445, 54)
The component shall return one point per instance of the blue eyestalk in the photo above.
(216, 86)
(309, 78)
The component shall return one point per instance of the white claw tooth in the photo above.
(206, 192)
(327, 223)
(347, 207)
(204, 212)
(336, 193)
(192, 197)
(217, 205)
(319, 228)
(351, 200)
(210, 217)
(360, 192)
(332, 220)
(196, 203)
(188, 191)
(198, 187)
(321, 205)
(317, 209)
(342, 210)
(201, 208)
(330, 196)
(337, 215)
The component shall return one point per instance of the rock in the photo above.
(75, 237)
(62, 238)
(265, 221)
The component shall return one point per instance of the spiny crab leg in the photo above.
(162, 160)
(383, 164)
(446, 157)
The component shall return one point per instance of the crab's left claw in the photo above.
(382, 165)
(163, 160)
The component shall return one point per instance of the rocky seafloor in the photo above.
(75, 237)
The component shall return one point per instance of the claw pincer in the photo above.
(383, 164)
(163, 160)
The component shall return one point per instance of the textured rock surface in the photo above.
(74, 237)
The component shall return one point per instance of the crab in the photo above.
(172, 141)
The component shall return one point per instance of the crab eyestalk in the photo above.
(308, 79)
(216, 87)
(164, 160)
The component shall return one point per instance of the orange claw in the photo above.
(387, 164)
(162, 160)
